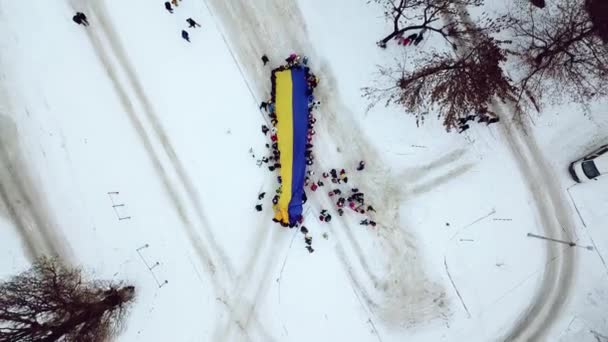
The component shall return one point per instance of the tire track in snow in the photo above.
(128, 106)
(252, 32)
(556, 221)
(254, 280)
(112, 55)
(160, 134)
(555, 215)
(24, 205)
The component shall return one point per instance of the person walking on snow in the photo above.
(361, 166)
(175, 3)
(186, 36)
(265, 59)
(192, 23)
(264, 105)
(168, 7)
(80, 19)
(308, 239)
(420, 37)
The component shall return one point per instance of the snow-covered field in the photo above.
(125, 150)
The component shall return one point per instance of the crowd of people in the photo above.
(293, 61)
(482, 117)
(191, 22)
(414, 38)
(273, 159)
(81, 19)
(343, 196)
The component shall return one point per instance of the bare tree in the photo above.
(560, 53)
(52, 302)
(459, 86)
(456, 86)
(425, 16)
(561, 49)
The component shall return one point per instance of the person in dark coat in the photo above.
(260, 196)
(292, 59)
(308, 239)
(192, 23)
(483, 118)
(186, 36)
(341, 202)
(418, 39)
(265, 129)
(407, 41)
(258, 207)
(80, 19)
(264, 105)
(463, 128)
(168, 7)
(361, 166)
(265, 59)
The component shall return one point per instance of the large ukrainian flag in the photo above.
(291, 106)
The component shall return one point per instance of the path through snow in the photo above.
(555, 217)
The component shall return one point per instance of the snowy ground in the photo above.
(127, 106)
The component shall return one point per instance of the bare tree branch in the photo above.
(560, 53)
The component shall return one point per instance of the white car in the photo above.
(592, 166)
